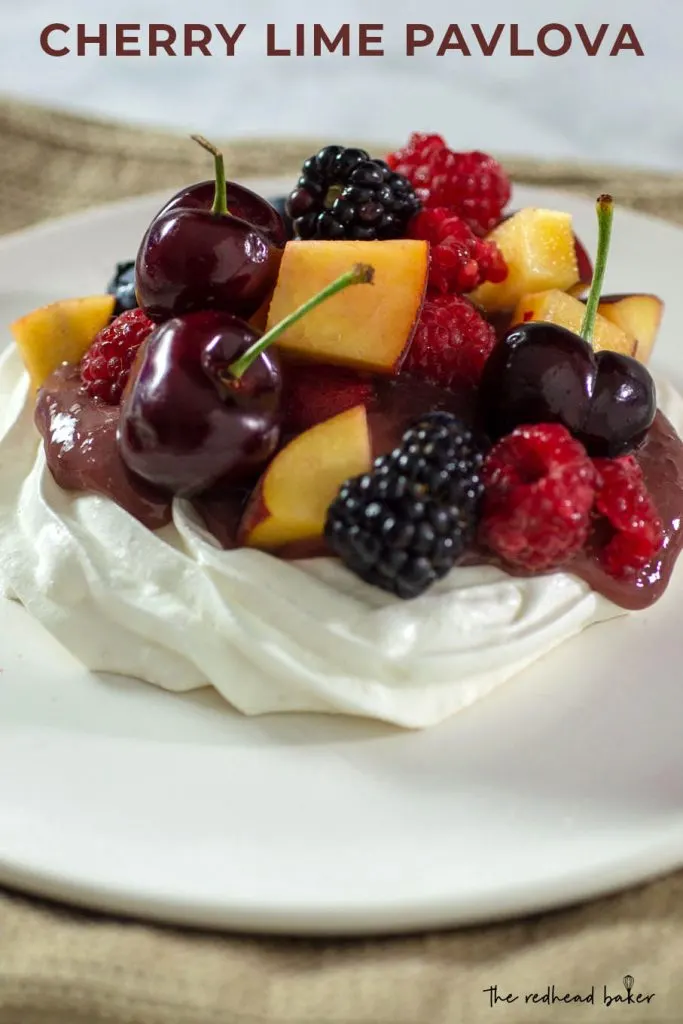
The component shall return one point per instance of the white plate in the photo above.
(566, 783)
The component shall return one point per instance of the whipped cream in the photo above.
(175, 610)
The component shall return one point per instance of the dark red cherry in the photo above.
(241, 202)
(193, 259)
(198, 255)
(623, 406)
(185, 423)
(537, 373)
(543, 373)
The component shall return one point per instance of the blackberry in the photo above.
(344, 193)
(122, 286)
(406, 524)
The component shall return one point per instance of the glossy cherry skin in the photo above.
(623, 406)
(185, 426)
(543, 373)
(242, 203)
(192, 259)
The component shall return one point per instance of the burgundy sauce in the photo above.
(79, 434)
(661, 460)
(80, 447)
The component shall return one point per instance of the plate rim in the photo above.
(385, 919)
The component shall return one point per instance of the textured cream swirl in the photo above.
(173, 609)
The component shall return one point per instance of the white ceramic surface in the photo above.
(566, 783)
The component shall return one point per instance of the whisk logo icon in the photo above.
(628, 980)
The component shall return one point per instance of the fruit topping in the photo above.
(471, 407)
(122, 287)
(344, 193)
(107, 363)
(639, 316)
(203, 408)
(473, 185)
(460, 261)
(542, 373)
(634, 531)
(555, 307)
(313, 392)
(452, 343)
(406, 523)
(59, 333)
(198, 258)
(290, 502)
(369, 330)
(539, 251)
(539, 488)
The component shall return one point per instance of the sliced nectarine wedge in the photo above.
(540, 251)
(557, 307)
(60, 333)
(291, 499)
(637, 315)
(370, 328)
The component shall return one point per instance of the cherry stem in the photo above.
(360, 274)
(220, 199)
(605, 211)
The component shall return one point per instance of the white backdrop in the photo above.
(625, 109)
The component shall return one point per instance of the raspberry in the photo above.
(539, 489)
(451, 344)
(460, 261)
(313, 393)
(636, 530)
(106, 365)
(473, 185)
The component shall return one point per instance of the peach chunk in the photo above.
(557, 307)
(369, 326)
(290, 501)
(637, 315)
(60, 333)
(539, 249)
